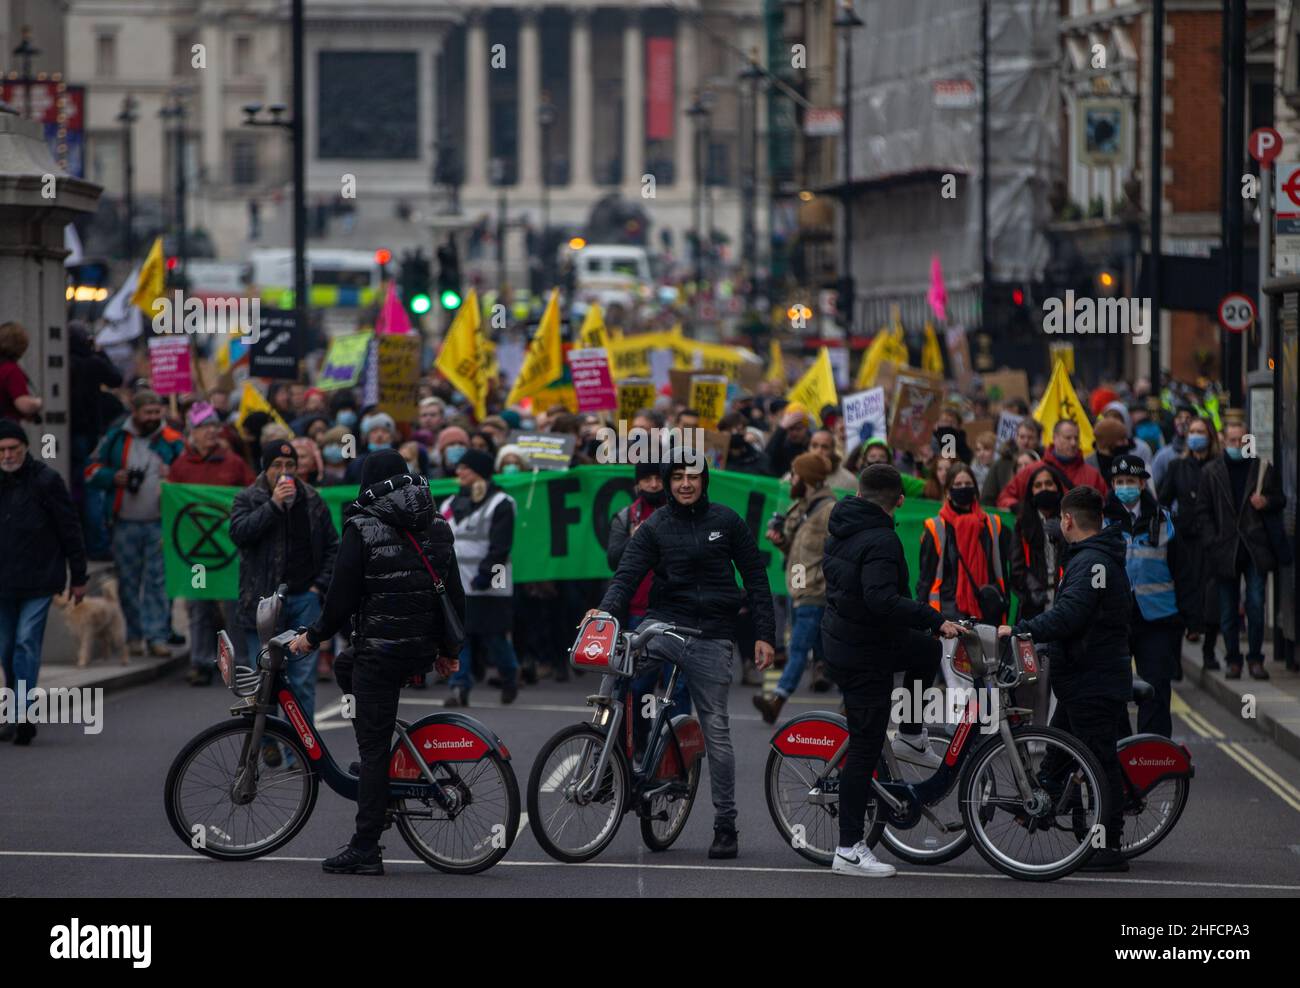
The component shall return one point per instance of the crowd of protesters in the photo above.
(127, 440)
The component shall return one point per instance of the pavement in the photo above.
(1271, 706)
(85, 816)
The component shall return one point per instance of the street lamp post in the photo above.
(176, 113)
(25, 52)
(845, 22)
(698, 111)
(546, 119)
(301, 291)
(497, 173)
(127, 118)
(752, 73)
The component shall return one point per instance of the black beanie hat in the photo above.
(644, 470)
(380, 465)
(478, 461)
(9, 429)
(273, 451)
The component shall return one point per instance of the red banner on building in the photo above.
(661, 90)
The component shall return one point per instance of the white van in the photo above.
(611, 274)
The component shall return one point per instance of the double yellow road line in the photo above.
(1238, 752)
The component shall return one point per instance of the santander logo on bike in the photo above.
(444, 745)
(793, 738)
(1152, 762)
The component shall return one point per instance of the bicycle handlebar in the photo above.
(654, 628)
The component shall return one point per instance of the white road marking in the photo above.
(806, 871)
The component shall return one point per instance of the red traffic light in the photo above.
(1017, 296)
(171, 264)
(383, 255)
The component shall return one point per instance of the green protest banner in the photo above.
(562, 524)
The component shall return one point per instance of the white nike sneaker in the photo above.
(915, 749)
(858, 860)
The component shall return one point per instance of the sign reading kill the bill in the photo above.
(917, 401)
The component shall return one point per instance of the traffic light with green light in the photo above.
(449, 292)
(414, 281)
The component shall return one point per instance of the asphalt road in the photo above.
(83, 815)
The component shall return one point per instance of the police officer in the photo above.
(1155, 631)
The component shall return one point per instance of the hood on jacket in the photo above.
(671, 462)
(403, 503)
(1110, 540)
(855, 514)
(1122, 408)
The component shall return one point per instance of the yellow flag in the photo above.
(776, 366)
(544, 360)
(593, 332)
(152, 281)
(931, 355)
(816, 389)
(887, 344)
(1060, 402)
(464, 358)
(252, 401)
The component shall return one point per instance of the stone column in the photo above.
(31, 270)
(530, 86)
(580, 105)
(476, 102)
(214, 123)
(687, 83)
(633, 101)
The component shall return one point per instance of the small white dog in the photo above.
(97, 624)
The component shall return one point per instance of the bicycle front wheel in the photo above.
(199, 793)
(481, 824)
(573, 815)
(1055, 830)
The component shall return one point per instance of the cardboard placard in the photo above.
(959, 356)
(634, 394)
(169, 365)
(591, 379)
(399, 375)
(344, 361)
(1008, 424)
(917, 402)
(680, 381)
(708, 396)
(716, 447)
(865, 416)
(1005, 383)
(546, 450)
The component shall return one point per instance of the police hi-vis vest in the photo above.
(472, 533)
(1148, 571)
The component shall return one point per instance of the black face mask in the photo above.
(656, 499)
(962, 497)
(1048, 502)
(738, 443)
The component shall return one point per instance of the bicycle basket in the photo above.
(600, 648)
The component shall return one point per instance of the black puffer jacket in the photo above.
(694, 551)
(869, 607)
(381, 584)
(1089, 618)
(42, 535)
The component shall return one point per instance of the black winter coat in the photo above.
(381, 584)
(694, 552)
(869, 607)
(1224, 525)
(260, 531)
(1090, 620)
(42, 535)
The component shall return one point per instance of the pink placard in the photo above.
(591, 380)
(169, 365)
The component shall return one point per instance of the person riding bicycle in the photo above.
(392, 538)
(694, 548)
(1091, 674)
(871, 629)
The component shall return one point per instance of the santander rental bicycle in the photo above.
(245, 787)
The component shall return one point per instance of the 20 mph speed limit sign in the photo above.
(1236, 312)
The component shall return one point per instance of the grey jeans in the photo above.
(707, 663)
